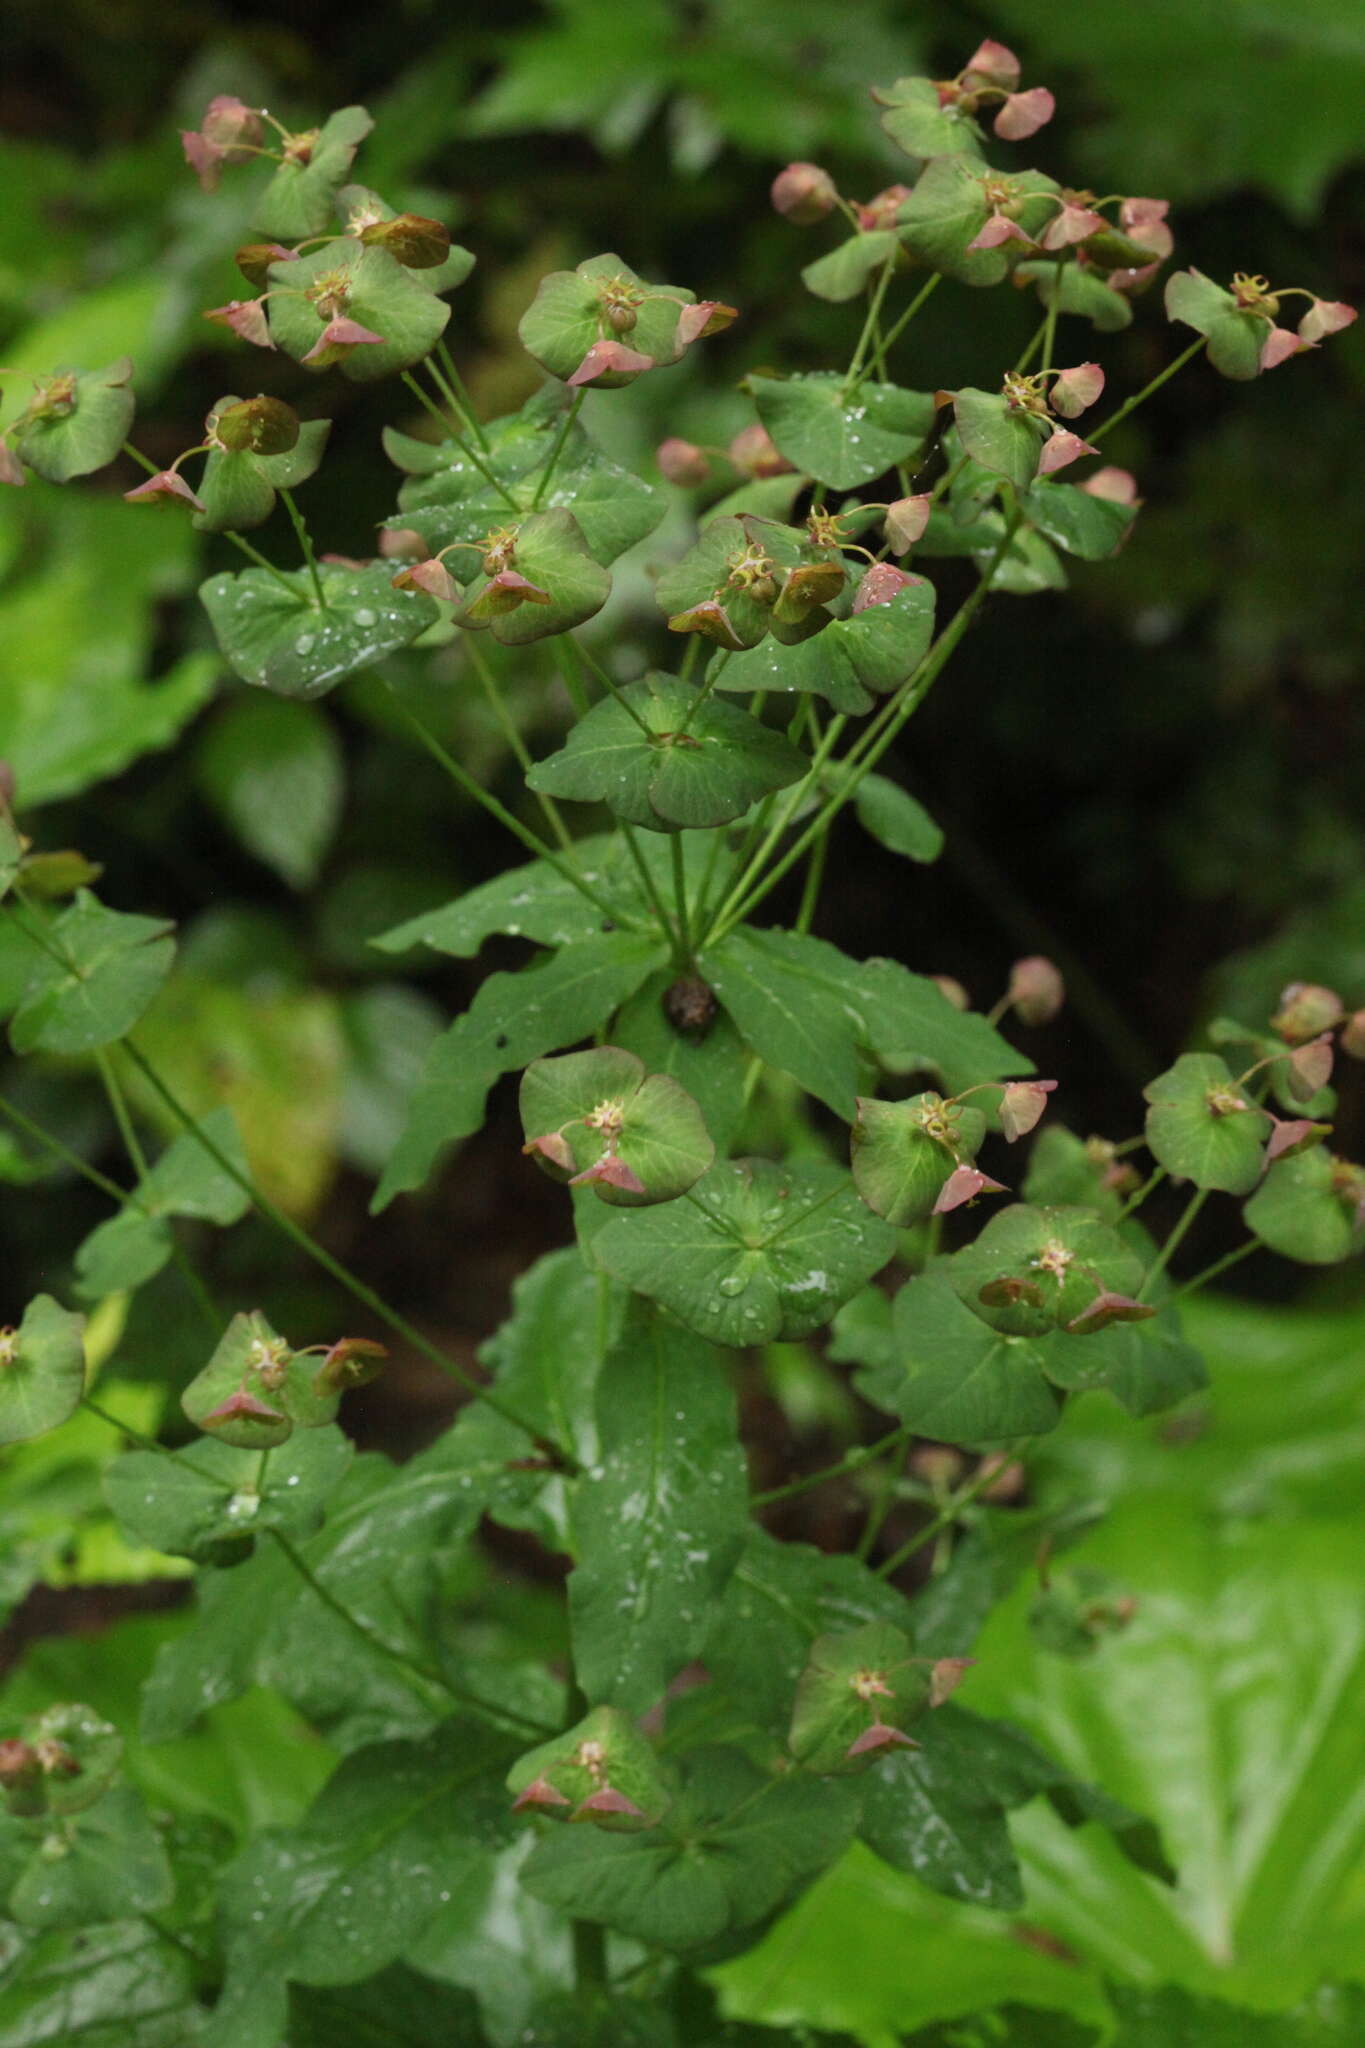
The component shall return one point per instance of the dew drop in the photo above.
(732, 1284)
(305, 643)
(365, 617)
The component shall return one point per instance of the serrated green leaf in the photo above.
(755, 1253)
(345, 1892)
(512, 1020)
(660, 1519)
(697, 763)
(806, 1008)
(194, 1502)
(293, 648)
(114, 1867)
(273, 771)
(117, 1985)
(839, 440)
(1193, 1136)
(102, 971)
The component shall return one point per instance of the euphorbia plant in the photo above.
(752, 1127)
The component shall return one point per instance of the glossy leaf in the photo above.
(42, 1370)
(757, 1251)
(237, 488)
(693, 765)
(448, 498)
(918, 122)
(837, 440)
(700, 1873)
(93, 980)
(1076, 520)
(345, 1892)
(806, 1008)
(660, 1519)
(134, 1245)
(117, 1985)
(212, 1494)
(512, 1020)
(854, 657)
(956, 1378)
(1196, 1128)
(290, 646)
(1032, 1270)
(396, 2009)
(114, 1867)
(843, 273)
(1002, 440)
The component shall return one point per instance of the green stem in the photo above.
(854, 378)
(566, 427)
(1163, 377)
(950, 1513)
(343, 1275)
(1243, 1251)
(461, 392)
(63, 1152)
(529, 839)
(254, 555)
(680, 897)
(507, 725)
(134, 1436)
(1031, 348)
(144, 462)
(733, 908)
(866, 753)
(425, 1673)
(121, 1117)
(305, 540)
(1174, 1241)
(593, 667)
(815, 875)
(852, 1461)
(880, 1509)
(1136, 1201)
(898, 327)
(451, 433)
(1054, 307)
(653, 895)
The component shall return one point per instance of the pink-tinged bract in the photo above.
(1279, 345)
(246, 317)
(1109, 1307)
(1290, 1135)
(607, 357)
(432, 576)
(991, 63)
(165, 484)
(754, 451)
(610, 1172)
(906, 521)
(878, 1739)
(882, 583)
(1024, 113)
(964, 1184)
(999, 228)
(1062, 449)
(337, 340)
(1310, 1068)
(11, 468)
(946, 1676)
(1353, 1036)
(1073, 222)
(240, 1407)
(1119, 486)
(1077, 389)
(1144, 222)
(538, 1796)
(1021, 1106)
(1325, 316)
(708, 316)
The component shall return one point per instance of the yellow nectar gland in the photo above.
(870, 1685)
(1055, 1258)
